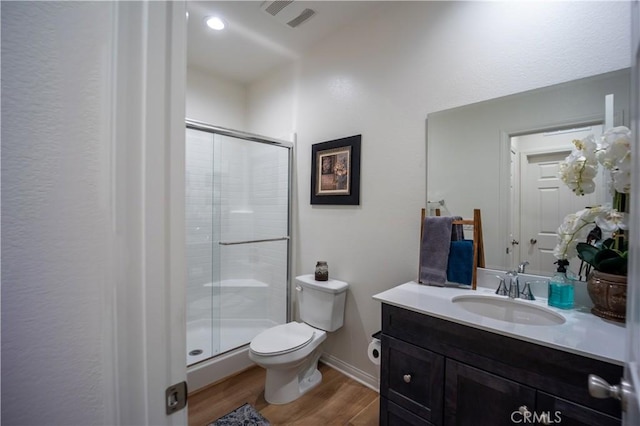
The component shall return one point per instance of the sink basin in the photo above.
(509, 310)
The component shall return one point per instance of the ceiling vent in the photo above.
(275, 7)
(288, 12)
(306, 14)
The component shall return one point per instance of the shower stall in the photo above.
(238, 208)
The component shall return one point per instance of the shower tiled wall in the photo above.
(236, 190)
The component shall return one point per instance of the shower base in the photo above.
(232, 334)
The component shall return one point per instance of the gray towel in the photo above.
(434, 249)
(457, 231)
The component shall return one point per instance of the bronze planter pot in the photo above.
(608, 293)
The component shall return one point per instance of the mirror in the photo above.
(477, 158)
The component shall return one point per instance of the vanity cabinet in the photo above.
(438, 372)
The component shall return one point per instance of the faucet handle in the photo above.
(514, 287)
(502, 287)
(526, 292)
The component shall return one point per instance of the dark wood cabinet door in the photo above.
(412, 378)
(476, 398)
(394, 415)
(566, 413)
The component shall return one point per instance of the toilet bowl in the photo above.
(290, 352)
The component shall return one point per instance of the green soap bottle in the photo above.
(561, 287)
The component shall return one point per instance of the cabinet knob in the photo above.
(523, 410)
(407, 378)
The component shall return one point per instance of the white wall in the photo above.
(215, 100)
(92, 190)
(272, 103)
(55, 211)
(380, 77)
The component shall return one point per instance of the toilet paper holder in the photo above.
(373, 351)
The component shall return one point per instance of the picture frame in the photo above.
(335, 171)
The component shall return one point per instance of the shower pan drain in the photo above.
(195, 352)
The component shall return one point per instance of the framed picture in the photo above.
(335, 171)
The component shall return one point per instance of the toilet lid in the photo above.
(282, 339)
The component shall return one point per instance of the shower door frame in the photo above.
(204, 127)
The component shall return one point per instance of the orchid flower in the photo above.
(578, 171)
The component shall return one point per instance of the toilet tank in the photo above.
(321, 303)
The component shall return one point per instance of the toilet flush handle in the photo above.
(298, 288)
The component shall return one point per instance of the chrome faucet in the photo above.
(514, 286)
(522, 266)
(513, 291)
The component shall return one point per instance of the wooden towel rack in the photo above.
(478, 245)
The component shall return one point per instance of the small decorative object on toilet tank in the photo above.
(322, 271)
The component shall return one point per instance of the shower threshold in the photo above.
(232, 335)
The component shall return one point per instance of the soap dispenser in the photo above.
(561, 287)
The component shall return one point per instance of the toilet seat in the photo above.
(282, 339)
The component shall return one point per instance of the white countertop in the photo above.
(583, 333)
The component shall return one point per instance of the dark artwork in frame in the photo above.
(335, 171)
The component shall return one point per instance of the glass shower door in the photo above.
(203, 310)
(254, 238)
(238, 203)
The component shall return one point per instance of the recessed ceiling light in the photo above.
(215, 23)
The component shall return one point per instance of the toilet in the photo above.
(290, 352)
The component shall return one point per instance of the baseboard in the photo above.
(352, 372)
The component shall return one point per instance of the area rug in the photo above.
(246, 415)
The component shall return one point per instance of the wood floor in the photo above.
(338, 400)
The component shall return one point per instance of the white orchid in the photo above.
(611, 221)
(614, 153)
(578, 171)
(615, 143)
(581, 166)
(576, 227)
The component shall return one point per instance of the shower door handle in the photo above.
(233, 243)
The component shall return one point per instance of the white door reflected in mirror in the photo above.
(541, 199)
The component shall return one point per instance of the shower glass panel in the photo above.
(237, 214)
